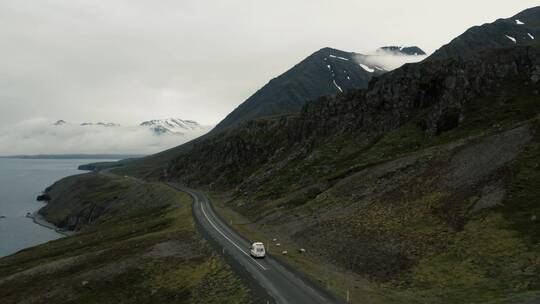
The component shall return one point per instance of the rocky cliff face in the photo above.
(433, 92)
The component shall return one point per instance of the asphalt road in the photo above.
(279, 283)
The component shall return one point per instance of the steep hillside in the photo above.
(136, 243)
(431, 168)
(325, 72)
(521, 29)
(435, 93)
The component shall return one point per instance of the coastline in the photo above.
(39, 220)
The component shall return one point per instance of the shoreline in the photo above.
(39, 220)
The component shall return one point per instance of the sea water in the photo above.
(21, 181)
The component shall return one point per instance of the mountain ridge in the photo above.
(520, 29)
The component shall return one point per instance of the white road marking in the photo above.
(220, 232)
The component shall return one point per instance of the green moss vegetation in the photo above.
(142, 254)
(404, 235)
(523, 204)
(486, 259)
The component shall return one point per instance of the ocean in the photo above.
(21, 181)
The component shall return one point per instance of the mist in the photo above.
(41, 136)
(387, 60)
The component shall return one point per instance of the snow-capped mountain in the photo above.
(169, 126)
(43, 136)
(101, 124)
(172, 126)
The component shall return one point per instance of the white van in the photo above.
(257, 250)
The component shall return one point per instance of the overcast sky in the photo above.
(132, 60)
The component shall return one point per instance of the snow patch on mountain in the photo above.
(172, 126)
(519, 22)
(338, 87)
(511, 38)
(365, 67)
(338, 57)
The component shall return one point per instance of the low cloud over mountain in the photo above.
(42, 136)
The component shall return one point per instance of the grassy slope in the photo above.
(142, 255)
(417, 241)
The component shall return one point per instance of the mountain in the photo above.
(420, 188)
(306, 81)
(433, 167)
(521, 29)
(325, 72)
(100, 124)
(426, 182)
(72, 137)
(402, 50)
(433, 94)
(172, 126)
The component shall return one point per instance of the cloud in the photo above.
(128, 60)
(41, 136)
(387, 60)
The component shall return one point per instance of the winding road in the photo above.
(279, 283)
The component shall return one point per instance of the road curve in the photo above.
(281, 285)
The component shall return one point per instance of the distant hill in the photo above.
(74, 156)
(168, 126)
